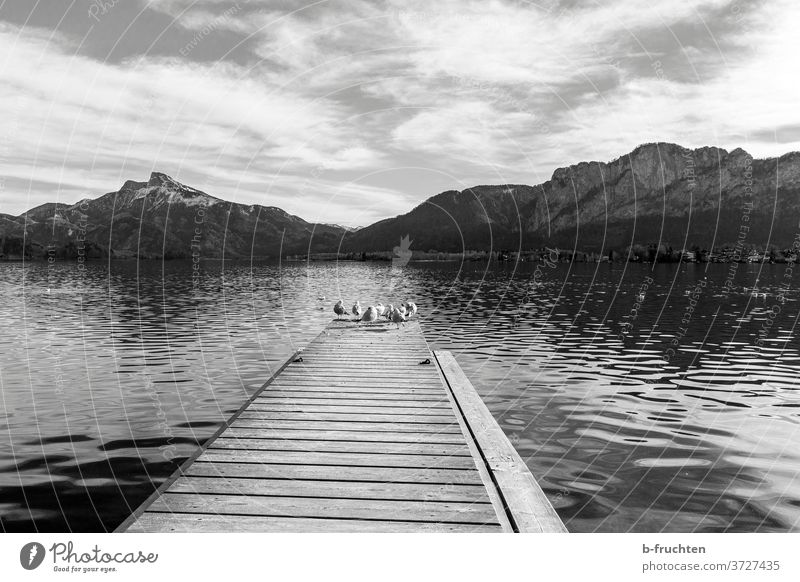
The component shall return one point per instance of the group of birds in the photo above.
(398, 315)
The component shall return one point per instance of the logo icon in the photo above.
(402, 253)
(31, 555)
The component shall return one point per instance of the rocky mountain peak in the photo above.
(159, 180)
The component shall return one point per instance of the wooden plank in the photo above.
(388, 366)
(343, 435)
(309, 395)
(331, 489)
(353, 446)
(319, 387)
(189, 522)
(360, 409)
(347, 459)
(343, 417)
(323, 380)
(415, 428)
(435, 511)
(349, 374)
(363, 355)
(413, 373)
(439, 476)
(527, 505)
(354, 400)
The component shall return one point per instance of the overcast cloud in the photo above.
(354, 111)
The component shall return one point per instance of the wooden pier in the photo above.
(365, 430)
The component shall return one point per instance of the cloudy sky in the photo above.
(351, 111)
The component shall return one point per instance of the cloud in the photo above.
(77, 116)
(387, 98)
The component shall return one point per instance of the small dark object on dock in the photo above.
(300, 359)
(425, 361)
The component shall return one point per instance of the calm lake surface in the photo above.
(642, 398)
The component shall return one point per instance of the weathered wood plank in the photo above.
(352, 402)
(323, 380)
(436, 511)
(408, 427)
(528, 506)
(332, 397)
(343, 417)
(364, 389)
(350, 374)
(353, 446)
(348, 459)
(450, 477)
(343, 435)
(331, 489)
(194, 522)
(350, 409)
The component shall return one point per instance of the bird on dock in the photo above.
(398, 317)
(381, 309)
(338, 309)
(402, 309)
(411, 307)
(357, 309)
(389, 311)
(370, 315)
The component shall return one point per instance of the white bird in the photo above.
(402, 309)
(370, 315)
(338, 309)
(411, 307)
(398, 317)
(381, 309)
(357, 309)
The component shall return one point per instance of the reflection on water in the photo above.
(644, 399)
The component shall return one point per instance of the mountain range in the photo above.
(659, 192)
(162, 218)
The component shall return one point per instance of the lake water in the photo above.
(643, 398)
